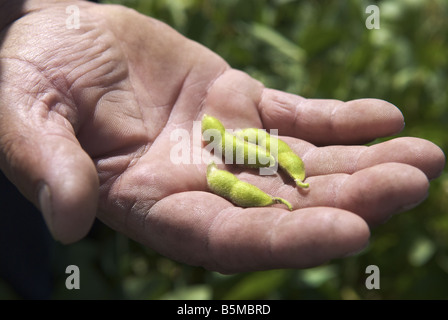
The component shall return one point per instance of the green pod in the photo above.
(243, 194)
(242, 152)
(286, 158)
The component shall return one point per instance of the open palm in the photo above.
(86, 123)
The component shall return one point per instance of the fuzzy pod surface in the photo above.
(233, 149)
(240, 193)
(290, 162)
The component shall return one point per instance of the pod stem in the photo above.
(301, 184)
(283, 201)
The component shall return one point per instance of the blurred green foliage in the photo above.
(317, 49)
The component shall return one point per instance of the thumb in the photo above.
(55, 173)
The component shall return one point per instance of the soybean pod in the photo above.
(244, 153)
(286, 158)
(240, 193)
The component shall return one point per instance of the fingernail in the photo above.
(45, 205)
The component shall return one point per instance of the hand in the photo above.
(86, 117)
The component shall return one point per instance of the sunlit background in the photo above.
(317, 49)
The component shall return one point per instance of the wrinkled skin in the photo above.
(85, 122)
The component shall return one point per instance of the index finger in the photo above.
(327, 121)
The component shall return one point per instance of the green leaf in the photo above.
(197, 292)
(257, 285)
(317, 276)
(278, 41)
(422, 250)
